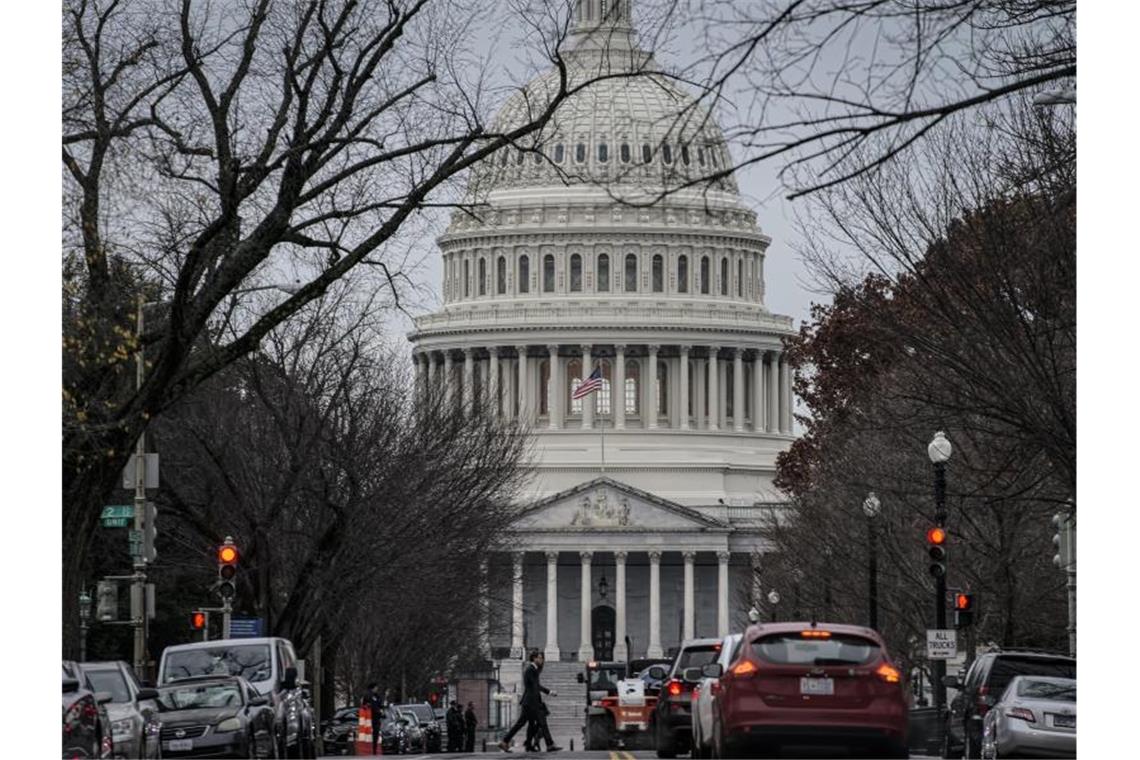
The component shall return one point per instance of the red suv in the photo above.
(817, 684)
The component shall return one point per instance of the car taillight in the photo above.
(674, 688)
(1023, 713)
(744, 668)
(888, 673)
(983, 701)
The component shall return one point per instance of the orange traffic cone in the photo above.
(364, 733)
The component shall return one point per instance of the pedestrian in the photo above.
(469, 724)
(374, 700)
(454, 728)
(531, 704)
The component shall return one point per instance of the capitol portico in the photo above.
(641, 515)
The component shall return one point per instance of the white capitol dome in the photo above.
(552, 273)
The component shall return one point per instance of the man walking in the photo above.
(469, 724)
(531, 705)
(375, 702)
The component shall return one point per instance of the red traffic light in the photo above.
(963, 602)
(434, 697)
(936, 536)
(227, 553)
(198, 620)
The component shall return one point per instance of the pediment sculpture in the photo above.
(601, 512)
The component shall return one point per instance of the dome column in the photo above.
(618, 397)
(468, 400)
(448, 380)
(554, 403)
(431, 379)
(495, 399)
(713, 386)
(588, 401)
(524, 397)
(785, 395)
(773, 391)
(738, 390)
(758, 392)
(651, 402)
(684, 387)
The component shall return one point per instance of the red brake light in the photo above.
(744, 668)
(814, 634)
(888, 673)
(674, 688)
(1023, 713)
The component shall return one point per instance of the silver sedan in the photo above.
(1036, 716)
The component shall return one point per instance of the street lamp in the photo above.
(603, 586)
(939, 451)
(773, 600)
(871, 508)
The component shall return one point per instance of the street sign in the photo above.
(117, 515)
(246, 628)
(941, 643)
(135, 543)
(151, 474)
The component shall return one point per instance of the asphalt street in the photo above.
(580, 755)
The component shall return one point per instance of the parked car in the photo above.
(416, 736)
(1036, 716)
(433, 732)
(704, 694)
(810, 683)
(671, 723)
(85, 731)
(132, 711)
(394, 733)
(216, 716)
(339, 731)
(270, 664)
(986, 680)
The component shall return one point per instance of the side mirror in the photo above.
(691, 675)
(951, 682)
(103, 697)
(712, 670)
(581, 678)
(657, 673)
(290, 680)
(145, 694)
(70, 685)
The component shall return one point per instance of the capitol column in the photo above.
(524, 400)
(738, 390)
(431, 378)
(687, 625)
(517, 652)
(651, 384)
(448, 384)
(418, 369)
(617, 393)
(552, 652)
(588, 401)
(785, 395)
(621, 654)
(494, 403)
(714, 401)
(722, 594)
(586, 647)
(684, 387)
(553, 397)
(773, 391)
(654, 605)
(758, 392)
(468, 400)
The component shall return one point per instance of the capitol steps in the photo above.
(568, 709)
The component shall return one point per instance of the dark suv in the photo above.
(983, 686)
(673, 719)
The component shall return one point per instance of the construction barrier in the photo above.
(364, 733)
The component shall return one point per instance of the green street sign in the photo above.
(116, 522)
(135, 543)
(118, 510)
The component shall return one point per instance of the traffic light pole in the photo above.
(227, 609)
(138, 579)
(939, 669)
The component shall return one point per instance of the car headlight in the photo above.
(229, 724)
(122, 727)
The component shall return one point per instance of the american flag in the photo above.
(589, 385)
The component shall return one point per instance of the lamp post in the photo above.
(871, 508)
(939, 451)
(773, 600)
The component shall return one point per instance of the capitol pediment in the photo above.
(604, 504)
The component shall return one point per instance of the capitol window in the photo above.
(683, 274)
(519, 158)
(630, 273)
(685, 155)
(482, 277)
(503, 158)
(544, 385)
(662, 389)
(548, 273)
(724, 277)
(575, 273)
(704, 275)
(559, 153)
(658, 274)
(466, 279)
(524, 274)
(502, 275)
(740, 278)
(625, 155)
(700, 155)
(580, 153)
(646, 154)
(604, 273)
(632, 381)
(603, 152)
(667, 153)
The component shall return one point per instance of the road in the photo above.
(580, 755)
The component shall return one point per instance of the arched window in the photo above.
(658, 273)
(729, 395)
(580, 153)
(502, 275)
(575, 273)
(603, 153)
(573, 380)
(662, 389)
(548, 273)
(632, 386)
(544, 386)
(604, 273)
(559, 153)
(685, 155)
(701, 156)
(646, 153)
(605, 393)
(740, 278)
(705, 275)
(724, 276)
(683, 274)
(713, 157)
(667, 153)
(524, 274)
(520, 158)
(482, 276)
(630, 273)
(625, 154)
(466, 278)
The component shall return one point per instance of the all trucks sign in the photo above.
(941, 643)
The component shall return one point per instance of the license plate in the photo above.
(817, 686)
(1065, 721)
(180, 745)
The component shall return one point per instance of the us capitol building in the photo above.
(642, 512)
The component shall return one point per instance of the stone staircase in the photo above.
(567, 710)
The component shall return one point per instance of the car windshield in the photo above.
(605, 679)
(423, 712)
(250, 661)
(1061, 691)
(110, 681)
(194, 696)
(696, 657)
(1005, 668)
(793, 649)
(409, 716)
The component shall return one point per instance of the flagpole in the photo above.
(602, 420)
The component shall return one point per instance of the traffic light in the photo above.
(964, 609)
(227, 568)
(199, 620)
(150, 531)
(106, 601)
(1064, 549)
(936, 547)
